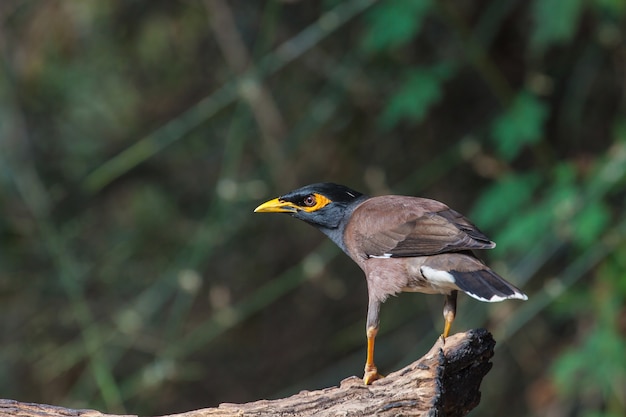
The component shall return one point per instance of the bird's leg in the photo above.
(449, 311)
(371, 372)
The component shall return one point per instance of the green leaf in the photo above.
(521, 124)
(614, 8)
(564, 175)
(594, 366)
(590, 223)
(612, 272)
(393, 23)
(494, 205)
(418, 92)
(602, 414)
(566, 371)
(619, 128)
(524, 230)
(555, 22)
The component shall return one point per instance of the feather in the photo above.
(410, 226)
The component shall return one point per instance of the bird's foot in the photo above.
(371, 375)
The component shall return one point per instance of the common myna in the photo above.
(402, 244)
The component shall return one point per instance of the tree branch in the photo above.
(444, 382)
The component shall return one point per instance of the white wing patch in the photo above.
(442, 277)
(445, 279)
(383, 256)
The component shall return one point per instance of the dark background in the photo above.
(137, 136)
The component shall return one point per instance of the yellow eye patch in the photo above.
(317, 201)
(309, 204)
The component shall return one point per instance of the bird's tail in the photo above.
(486, 285)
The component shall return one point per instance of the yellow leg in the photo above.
(371, 372)
(449, 312)
(446, 327)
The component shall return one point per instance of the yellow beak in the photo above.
(276, 206)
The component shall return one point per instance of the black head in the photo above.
(324, 205)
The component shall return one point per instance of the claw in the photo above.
(371, 375)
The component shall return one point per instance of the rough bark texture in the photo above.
(444, 382)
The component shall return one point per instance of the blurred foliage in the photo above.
(520, 125)
(418, 91)
(548, 30)
(394, 24)
(137, 137)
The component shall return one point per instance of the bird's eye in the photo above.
(309, 200)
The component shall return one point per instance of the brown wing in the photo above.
(399, 226)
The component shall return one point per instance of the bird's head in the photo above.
(323, 205)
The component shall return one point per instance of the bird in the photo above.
(402, 244)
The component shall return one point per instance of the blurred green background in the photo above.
(137, 136)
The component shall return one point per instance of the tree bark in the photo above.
(444, 382)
